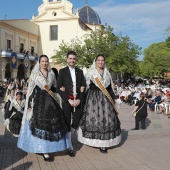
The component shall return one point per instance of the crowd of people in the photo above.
(45, 110)
(153, 97)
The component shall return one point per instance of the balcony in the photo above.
(7, 54)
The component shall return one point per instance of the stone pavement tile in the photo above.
(142, 149)
(155, 126)
(71, 163)
(59, 162)
(159, 166)
(82, 159)
(35, 162)
(148, 152)
(155, 116)
(138, 167)
(88, 157)
(123, 162)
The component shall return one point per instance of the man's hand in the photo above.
(76, 102)
(71, 102)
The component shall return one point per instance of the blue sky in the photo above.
(144, 21)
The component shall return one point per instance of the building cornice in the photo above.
(55, 19)
(17, 30)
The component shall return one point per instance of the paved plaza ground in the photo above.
(139, 150)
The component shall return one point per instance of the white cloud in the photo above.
(143, 21)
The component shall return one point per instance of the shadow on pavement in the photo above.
(124, 138)
(26, 165)
(10, 153)
(147, 122)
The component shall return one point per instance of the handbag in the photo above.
(135, 113)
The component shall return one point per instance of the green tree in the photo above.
(156, 60)
(124, 57)
(120, 52)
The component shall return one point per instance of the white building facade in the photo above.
(22, 41)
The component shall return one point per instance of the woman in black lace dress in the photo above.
(14, 114)
(44, 129)
(9, 98)
(100, 125)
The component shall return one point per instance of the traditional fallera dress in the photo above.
(100, 125)
(5, 110)
(13, 117)
(44, 129)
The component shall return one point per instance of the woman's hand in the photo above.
(62, 89)
(30, 110)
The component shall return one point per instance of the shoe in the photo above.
(134, 129)
(71, 153)
(169, 117)
(48, 159)
(103, 150)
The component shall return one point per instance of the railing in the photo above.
(21, 56)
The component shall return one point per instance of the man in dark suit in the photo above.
(71, 87)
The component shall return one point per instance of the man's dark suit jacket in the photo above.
(64, 79)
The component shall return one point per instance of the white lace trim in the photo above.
(98, 142)
(35, 79)
(92, 73)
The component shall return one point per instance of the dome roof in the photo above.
(89, 16)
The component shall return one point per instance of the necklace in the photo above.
(101, 72)
(43, 74)
(19, 102)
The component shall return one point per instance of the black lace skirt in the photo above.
(15, 123)
(48, 121)
(6, 107)
(99, 120)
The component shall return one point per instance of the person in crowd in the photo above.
(141, 109)
(24, 90)
(22, 83)
(148, 94)
(17, 85)
(100, 126)
(128, 92)
(163, 104)
(137, 94)
(130, 97)
(157, 99)
(59, 100)
(10, 95)
(55, 72)
(44, 129)
(13, 116)
(72, 80)
(124, 94)
(134, 96)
